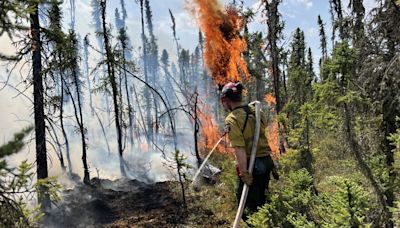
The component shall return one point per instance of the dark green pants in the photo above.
(256, 195)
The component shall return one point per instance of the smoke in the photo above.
(152, 165)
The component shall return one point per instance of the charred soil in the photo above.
(127, 203)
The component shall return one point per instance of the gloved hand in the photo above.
(275, 173)
(246, 177)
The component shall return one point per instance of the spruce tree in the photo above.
(145, 56)
(322, 37)
(112, 80)
(38, 106)
(275, 27)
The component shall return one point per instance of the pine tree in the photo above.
(310, 64)
(167, 82)
(347, 206)
(322, 37)
(340, 70)
(358, 12)
(153, 65)
(300, 78)
(384, 42)
(58, 39)
(12, 211)
(38, 93)
(112, 80)
(73, 65)
(145, 48)
(275, 27)
(184, 68)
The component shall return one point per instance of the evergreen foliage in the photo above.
(17, 185)
(289, 207)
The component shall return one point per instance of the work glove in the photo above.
(275, 173)
(274, 170)
(246, 177)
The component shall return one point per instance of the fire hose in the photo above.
(206, 159)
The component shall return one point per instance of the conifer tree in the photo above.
(153, 65)
(112, 80)
(58, 69)
(300, 78)
(275, 27)
(73, 65)
(145, 48)
(322, 37)
(358, 12)
(38, 93)
(384, 42)
(168, 86)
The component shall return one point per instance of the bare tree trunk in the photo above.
(86, 176)
(113, 82)
(78, 116)
(149, 130)
(38, 105)
(130, 116)
(196, 132)
(60, 154)
(86, 56)
(61, 116)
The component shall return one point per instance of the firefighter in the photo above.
(240, 124)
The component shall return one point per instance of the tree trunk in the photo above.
(86, 176)
(61, 116)
(113, 82)
(196, 132)
(57, 141)
(38, 106)
(273, 17)
(149, 135)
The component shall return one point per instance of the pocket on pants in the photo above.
(260, 165)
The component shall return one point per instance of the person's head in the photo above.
(231, 95)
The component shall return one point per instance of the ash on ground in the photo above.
(122, 203)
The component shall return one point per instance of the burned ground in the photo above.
(127, 203)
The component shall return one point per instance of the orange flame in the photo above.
(222, 55)
(270, 99)
(273, 127)
(209, 131)
(223, 43)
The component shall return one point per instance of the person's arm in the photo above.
(241, 158)
(236, 138)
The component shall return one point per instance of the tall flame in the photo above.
(223, 43)
(273, 127)
(209, 131)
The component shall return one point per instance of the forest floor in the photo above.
(128, 203)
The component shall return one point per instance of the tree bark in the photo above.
(146, 78)
(38, 106)
(113, 82)
(272, 15)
